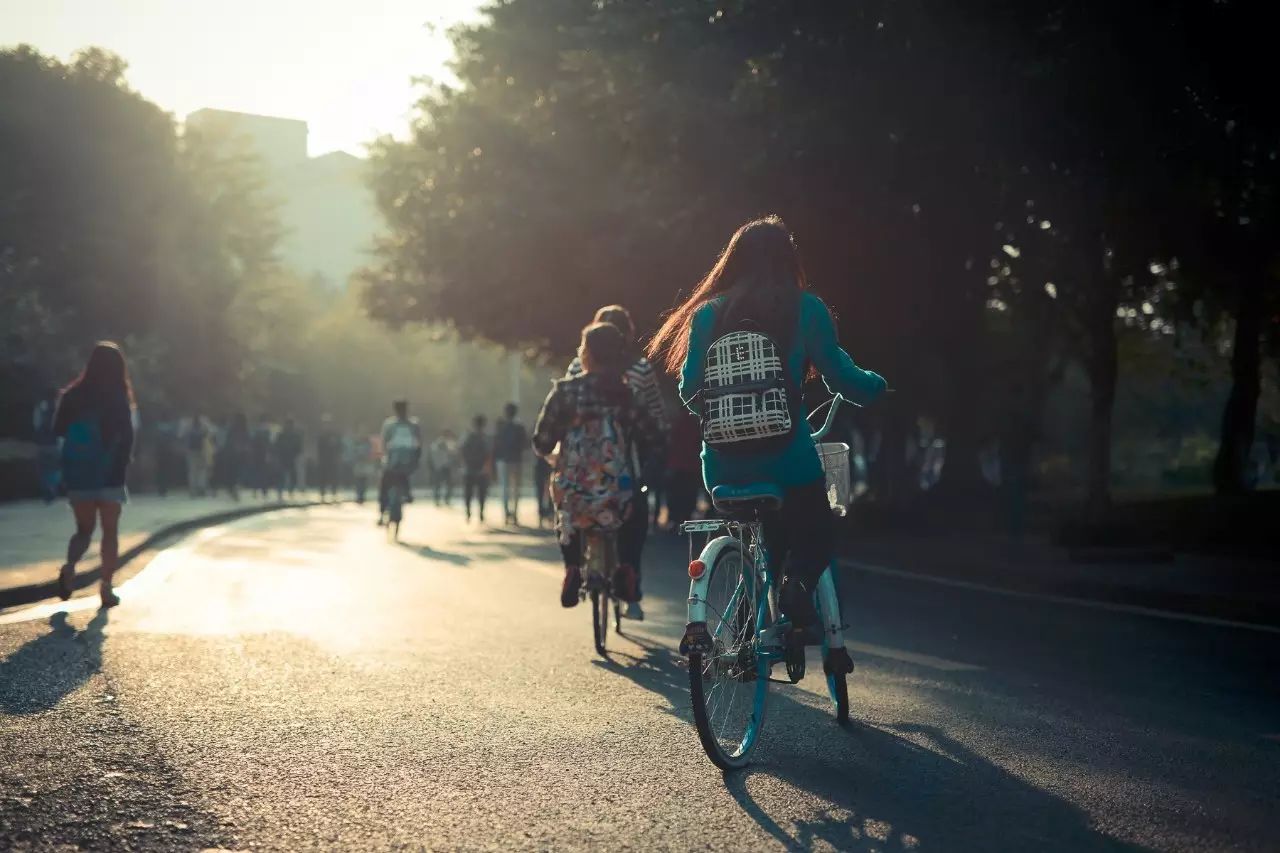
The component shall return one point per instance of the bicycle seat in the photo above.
(746, 500)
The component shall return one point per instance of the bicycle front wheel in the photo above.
(600, 618)
(729, 684)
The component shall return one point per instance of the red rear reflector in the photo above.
(697, 569)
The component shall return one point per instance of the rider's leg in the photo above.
(801, 539)
(383, 484)
(631, 539)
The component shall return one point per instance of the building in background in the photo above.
(326, 207)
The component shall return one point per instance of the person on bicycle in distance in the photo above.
(401, 452)
(643, 380)
(596, 420)
(758, 284)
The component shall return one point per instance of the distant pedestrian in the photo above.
(286, 450)
(95, 419)
(443, 458)
(197, 442)
(477, 466)
(510, 439)
(364, 463)
(261, 466)
(167, 454)
(46, 439)
(328, 458)
(237, 446)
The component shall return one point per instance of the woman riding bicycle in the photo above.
(758, 283)
(596, 420)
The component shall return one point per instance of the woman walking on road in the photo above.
(95, 421)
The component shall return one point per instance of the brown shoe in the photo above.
(66, 578)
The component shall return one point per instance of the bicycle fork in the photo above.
(828, 602)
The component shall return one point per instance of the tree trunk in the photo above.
(1239, 417)
(1103, 366)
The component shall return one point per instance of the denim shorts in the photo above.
(107, 494)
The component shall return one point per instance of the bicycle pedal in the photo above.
(795, 662)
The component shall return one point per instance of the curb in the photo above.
(32, 593)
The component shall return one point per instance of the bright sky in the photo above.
(343, 66)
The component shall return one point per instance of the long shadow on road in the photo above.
(881, 791)
(41, 673)
(429, 553)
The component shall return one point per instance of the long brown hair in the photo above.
(761, 260)
(104, 374)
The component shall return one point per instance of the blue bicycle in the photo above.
(735, 633)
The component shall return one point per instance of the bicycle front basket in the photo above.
(835, 465)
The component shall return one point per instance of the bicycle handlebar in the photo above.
(834, 403)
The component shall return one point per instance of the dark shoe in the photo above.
(624, 583)
(796, 603)
(569, 591)
(634, 611)
(838, 662)
(66, 577)
(109, 597)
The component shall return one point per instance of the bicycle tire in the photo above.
(600, 620)
(703, 717)
(838, 686)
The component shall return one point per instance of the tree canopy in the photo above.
(982, 190)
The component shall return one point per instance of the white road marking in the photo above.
(914, 658)
(1132, 609)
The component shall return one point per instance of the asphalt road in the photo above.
(294, 681)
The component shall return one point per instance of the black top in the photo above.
(114, 415)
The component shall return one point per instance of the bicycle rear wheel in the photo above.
(729, 684)
(838, 687)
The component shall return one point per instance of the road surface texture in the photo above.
(295, 681)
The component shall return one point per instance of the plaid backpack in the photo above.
(748, 401)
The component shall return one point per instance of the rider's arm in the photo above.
(837, 368)
(700, 331)
(649, 437)
(644, 382)
(552, 423)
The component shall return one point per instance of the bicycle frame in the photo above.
(746, 536)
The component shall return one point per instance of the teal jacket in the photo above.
(816, 342)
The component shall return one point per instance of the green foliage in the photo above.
(599, 152)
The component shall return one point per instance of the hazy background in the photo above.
(345, 68)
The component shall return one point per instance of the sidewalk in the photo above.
(33, 535)
(1216, 587)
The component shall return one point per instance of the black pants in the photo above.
(801, 537)
(389, 476)
(682, 495)
(475, 485)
